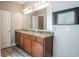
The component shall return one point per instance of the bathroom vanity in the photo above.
(38, 44)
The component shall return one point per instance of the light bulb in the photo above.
(39, 3)
(35, 4)
(42, 1)
(26, 9)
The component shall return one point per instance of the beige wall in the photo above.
(16, 16)
(27, 22)
(10, 6)
(27, 19)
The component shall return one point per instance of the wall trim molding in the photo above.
(13, 44)
(9, 46)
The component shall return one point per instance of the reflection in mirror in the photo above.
(41, 22)
(39, 19)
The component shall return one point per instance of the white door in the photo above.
(0, 34)
(34, 22)
(5, 29)
(0, 31)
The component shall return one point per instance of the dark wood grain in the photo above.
(21, 41)
(37, 49)
(49, 46)
(27, 44)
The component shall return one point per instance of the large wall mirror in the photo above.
(39, 19)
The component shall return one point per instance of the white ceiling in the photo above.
(19, 2)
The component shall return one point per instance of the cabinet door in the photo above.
(37, 49)
(39, 39)
(27, 44)
(17, 38)
(21, 40)
(0, 30)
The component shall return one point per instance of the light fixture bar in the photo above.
(25, 11)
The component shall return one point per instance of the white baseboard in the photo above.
(9, 46)
(13, 44)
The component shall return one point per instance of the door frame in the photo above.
(2, 11)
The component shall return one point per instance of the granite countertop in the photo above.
(35, 33)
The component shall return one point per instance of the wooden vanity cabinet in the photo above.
(42, 47)
(35, 46)
(21, 40)
(27, 44)
(37, 49)
(48, 46)
(17, 38)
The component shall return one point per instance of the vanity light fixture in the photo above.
(36, 5)
(41, 6)
(42, 1)
(25, 10)
(39, 3)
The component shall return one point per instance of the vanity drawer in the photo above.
(21, 34)
(39, 39)
(31, 37)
